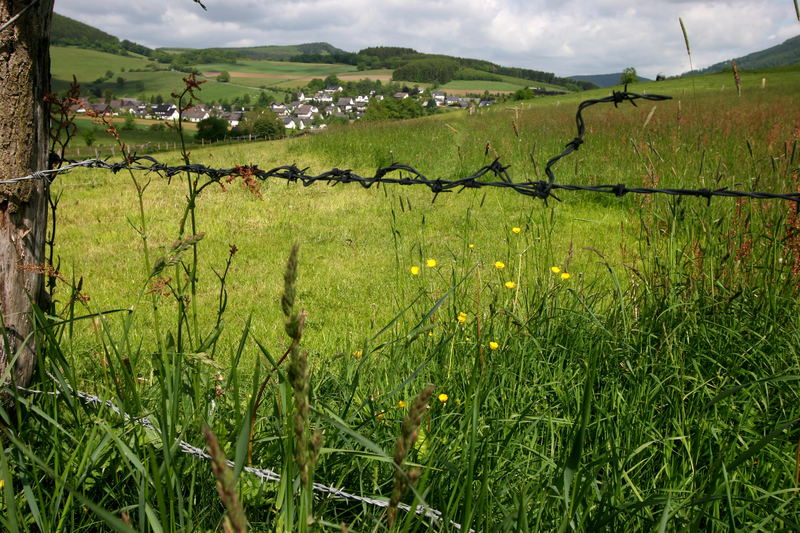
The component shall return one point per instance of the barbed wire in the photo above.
(265, 474)
(14, 18)
(408, 175)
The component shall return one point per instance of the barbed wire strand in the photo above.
(13, 19)
(265, 474)
(538, 189)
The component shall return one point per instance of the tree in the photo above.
(224, 76)
(24, 127)
(628, 76)
(130, 123)
(268, 125)
(211, 129)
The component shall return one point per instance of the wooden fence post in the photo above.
(24, 129)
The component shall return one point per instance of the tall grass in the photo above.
(653, 388)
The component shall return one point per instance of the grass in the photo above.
(654, 389)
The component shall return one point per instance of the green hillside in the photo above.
(784, 54)
(69, 32)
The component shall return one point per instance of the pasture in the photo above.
(599, 363)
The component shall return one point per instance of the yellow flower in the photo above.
(358, 354)
(462, 317)
(401, 404)
(516, 230)
(499, 265)
(555, 269)
(493, 345)
(430, 263)
(380, 415)
(467, 339)
(471, 245)
(414, 270)
(443, 397)
(565, 275)
(510, 284)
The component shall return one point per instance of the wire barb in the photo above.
(408, 175)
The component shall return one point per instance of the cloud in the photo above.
(565, 37)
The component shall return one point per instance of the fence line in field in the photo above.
(408, 175)
(264, 474)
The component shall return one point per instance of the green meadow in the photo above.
(597, 363)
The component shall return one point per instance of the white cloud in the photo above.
(565, 37)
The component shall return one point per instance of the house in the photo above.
(362, 99)
(401, 96)
(345, 104)
(233, 117)
(306, 111)
(164, 112)
(195, 114)
(323, 98)
(101, 109)
(334, 89)
(279, 109)
(80, 107)
(440, 97)
(289, 123)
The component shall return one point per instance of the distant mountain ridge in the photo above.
(781, 55)
(604, 80)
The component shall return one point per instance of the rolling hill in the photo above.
(402, 65)
(785, 54)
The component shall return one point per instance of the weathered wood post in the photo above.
(24, 124)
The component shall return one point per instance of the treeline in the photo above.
(410, 65)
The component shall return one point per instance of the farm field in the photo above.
(247, 76)
(599, 363)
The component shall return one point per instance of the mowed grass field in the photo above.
(600, 363)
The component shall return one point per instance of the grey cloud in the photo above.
(562, 36)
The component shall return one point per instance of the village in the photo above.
(306, 112)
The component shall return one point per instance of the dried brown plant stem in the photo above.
(235, 520)
(406, 440)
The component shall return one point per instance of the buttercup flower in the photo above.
(493, 345)
(414, 270)
(462, 317)
(516, 230)
(555, 269)
(430, 263)
(510, 284)
(380, 415)
(357, 354)
(443, 397)
(471, 245)
(401, 404)
(499, 265)
(565, 275)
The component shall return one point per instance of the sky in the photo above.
(567, 37)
